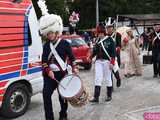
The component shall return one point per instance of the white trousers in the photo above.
(102, 72)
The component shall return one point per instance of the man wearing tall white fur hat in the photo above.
(55, 53)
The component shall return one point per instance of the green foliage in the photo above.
(112, 8)
(54, 6)
(87, 9)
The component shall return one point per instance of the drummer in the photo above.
(52, 70)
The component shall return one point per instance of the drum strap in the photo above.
(61, 63)
(55, 45)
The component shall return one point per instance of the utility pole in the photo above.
(97, 12)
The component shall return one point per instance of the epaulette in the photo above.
(44, 65)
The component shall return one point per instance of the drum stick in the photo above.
(60, 84)
(69, 81)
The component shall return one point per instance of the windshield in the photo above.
(77, 42)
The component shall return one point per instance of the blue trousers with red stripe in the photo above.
(48, 89)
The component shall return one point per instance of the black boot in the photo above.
(118, 79)
(62, 116)
(96, 94)
(109, 94)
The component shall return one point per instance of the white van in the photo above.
(20, 56)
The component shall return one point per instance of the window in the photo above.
(29, 36)
(78, 42)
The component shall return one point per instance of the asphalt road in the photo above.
(136, 96)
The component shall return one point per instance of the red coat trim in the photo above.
(112, 61)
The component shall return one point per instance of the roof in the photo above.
(141, 17)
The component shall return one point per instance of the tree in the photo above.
(112, 8)
(54, 7)
(87, 9)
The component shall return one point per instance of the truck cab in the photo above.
(20, 56)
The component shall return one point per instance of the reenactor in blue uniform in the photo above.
(51, 26)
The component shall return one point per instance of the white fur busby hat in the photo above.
(49, 22)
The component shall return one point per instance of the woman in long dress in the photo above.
(134, 65)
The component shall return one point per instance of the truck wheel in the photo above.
(88, 66)
(16, 101)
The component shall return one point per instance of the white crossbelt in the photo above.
(61, 63)
(64, 66)
(115, 67)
